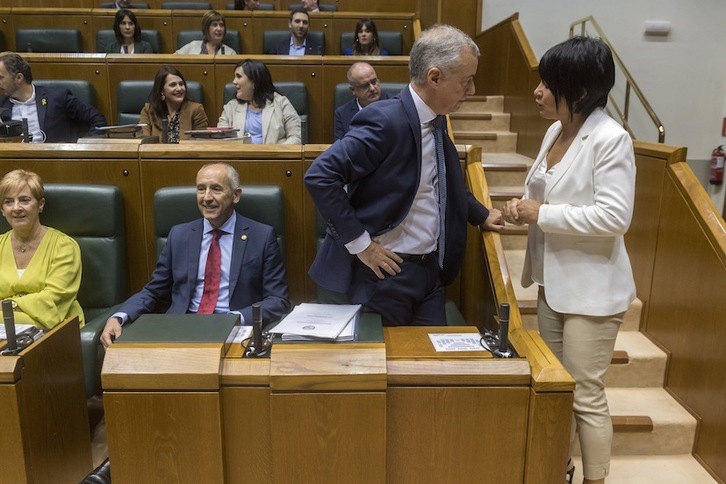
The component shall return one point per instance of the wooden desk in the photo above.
(45, 436)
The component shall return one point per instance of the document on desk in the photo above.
(309, 321)
(20, 329)
(456, 341)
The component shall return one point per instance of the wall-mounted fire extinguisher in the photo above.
(717, 162)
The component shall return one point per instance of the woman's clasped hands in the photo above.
(521, 211)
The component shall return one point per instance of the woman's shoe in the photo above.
(570, 473)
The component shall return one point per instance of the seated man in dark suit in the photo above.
(299, 43)
(365, 86)
(221, 263)
(54, 115)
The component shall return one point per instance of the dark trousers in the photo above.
(414, 297)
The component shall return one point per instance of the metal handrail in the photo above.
(630, 83)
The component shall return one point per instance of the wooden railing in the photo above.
(677, 245)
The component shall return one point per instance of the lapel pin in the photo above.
(243, 237)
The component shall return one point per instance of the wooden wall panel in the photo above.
(52, 18)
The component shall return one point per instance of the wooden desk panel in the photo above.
(164, 437)
(45, 435)
(456, 434)
(329, 437)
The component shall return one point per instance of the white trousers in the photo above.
(584, 345)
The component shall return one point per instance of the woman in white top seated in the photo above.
(258, 109)
(214, 29)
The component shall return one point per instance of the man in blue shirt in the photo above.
(299, 42)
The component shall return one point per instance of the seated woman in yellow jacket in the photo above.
(169, 113)
(258, 109)
(40, 267)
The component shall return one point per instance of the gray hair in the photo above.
(439, 46)
(232, 174)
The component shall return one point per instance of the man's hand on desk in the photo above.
(111, 331)
(377, 257)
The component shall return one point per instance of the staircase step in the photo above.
(492, 104)
(490, 141)
(646, 362)
(673, 427)
(514, 237)
(479, 121)
(505, 193)
(647, 469)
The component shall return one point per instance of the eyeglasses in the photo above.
(364, 87)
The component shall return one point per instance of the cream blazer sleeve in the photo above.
(588, 206)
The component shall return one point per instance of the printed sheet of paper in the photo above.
(456, 341)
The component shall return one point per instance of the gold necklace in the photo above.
(24, 246)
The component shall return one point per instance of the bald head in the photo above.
(364, 83)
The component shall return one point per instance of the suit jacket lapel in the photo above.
(239, 248)
(197, 231)
(41, 103)
(414, 124)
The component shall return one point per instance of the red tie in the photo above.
(212, 273)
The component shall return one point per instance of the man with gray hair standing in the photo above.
(397, 236)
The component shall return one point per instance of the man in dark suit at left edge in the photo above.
(54, 115)
(249, 265)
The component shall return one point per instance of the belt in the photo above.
(416, 257)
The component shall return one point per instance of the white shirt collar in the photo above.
(31, 99)
(425, 113)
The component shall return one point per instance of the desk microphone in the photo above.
(504, 328)
(9, 319)
(256, 328)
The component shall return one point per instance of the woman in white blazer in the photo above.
(578, 202)
(258, 109)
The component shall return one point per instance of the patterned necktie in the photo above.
(212, 273)
(438, 124)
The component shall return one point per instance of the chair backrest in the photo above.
(2, 41)
(295, 91)
(186, 5)
(132, 6)
(104, 38)
(132, 95)
(232, 38)
(324, 7)
(83, 90)
(390, 40)
(175, 205)
(48, 40)
(343, 93)
(260, 6)
(272, 38)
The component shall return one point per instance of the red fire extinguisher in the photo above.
(717, 162)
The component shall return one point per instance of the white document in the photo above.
(456, 341)
(19, 330)
(243, 333)
(317, 321)
(348, 333)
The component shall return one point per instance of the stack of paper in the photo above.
(319, 322)
(123, 131)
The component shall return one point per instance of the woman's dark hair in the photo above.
(120, 14)
(158, 106)
(374, 48)
(257, 72)
(208, 19)
(581, 71)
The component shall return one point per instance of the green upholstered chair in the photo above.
(175, 205)
(271, 38)
(232, 38)
(48, 40)
(107, 37)
(131, 96)
(94, 216)
(132, 6)
(295, 91)
(83, 90)
(390, 40)
(260, 6)
(324, 7)
(343, 93)
(186, 5)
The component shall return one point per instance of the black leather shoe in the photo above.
(99, 475)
